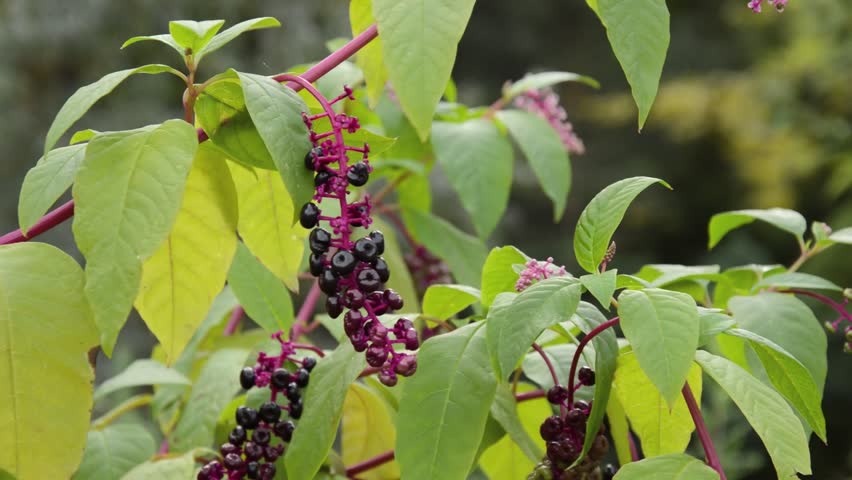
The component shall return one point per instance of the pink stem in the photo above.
(52, 219)
(634, 450)
(305, 312)
(370, 464)
(233, 321)
(553, 375)
(840, 309)
(703, 434)
(574, 361)
(523, 397)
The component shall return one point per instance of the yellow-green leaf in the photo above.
(180, 281)
(46, 330)
(370, 58)
(266, 222)
(367, 431)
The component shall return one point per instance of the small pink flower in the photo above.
(536, 270)
(545, 103)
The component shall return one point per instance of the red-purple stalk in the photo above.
(370, 463)
(574, 361)
(305, 312)
(234, 321)
(703, 434)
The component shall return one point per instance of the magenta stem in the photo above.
(553, 375)
(703, 434)
(634, 450)
(523, 397)
(574, 361)
(305, 346)
(305, 313)
(840, 309)
(233, 321)
(370, 463)
(66, 211)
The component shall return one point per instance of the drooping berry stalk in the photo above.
(840, 308)
(703, 435)
(351, 272)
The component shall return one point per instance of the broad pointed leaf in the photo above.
(115, 450)
(797, 280)
(464, 254)
(224, 37)
(788, 220)
(260, 292)
(498, 274)
(192, 35)
(46, 182)
(367, 431)
(444, 301)
(601, 286)
(667, 467)
(535, 81)
(371, 57)
(164, 468)
(140, 373)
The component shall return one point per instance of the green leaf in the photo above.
(82, 100)
(766, 411)
(464, 254)
(663, 328)
(516, 454)
(661, 429)
(277, 113)
(797, 280)
(115, 450)
(619, 430)
(535, 81)
(46, 182)
(444, 301)
(419, 41)
(662, 275)
(790, 378)
(843, 235)
(601, 285)
(601, 217)
(638, 32)
(164, 38)
(461, 149)
(46, 331)
(127, 194)
(511, 330)
(606, 351)
(323, 408)
(83, 136)
(140, 373)
(400, 279)
(164, 468)
(781, 218)
(712, 323)
(560, 357)
(790, 324)
(367, 431)
(266, 222)
(498, 275)
(444, 407)
(667, 467)
(231, 33)
(260, 292)
(370, 58)
(545, 153)
(193, 35)
(506, 411)
(183, 277)
(211, 392)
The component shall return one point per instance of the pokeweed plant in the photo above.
(200, 222)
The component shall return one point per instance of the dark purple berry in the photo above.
(407, 366)
(333, 306)
(376, 300)
(368, 280)
(227, 448)
(270, 453)
(293, 394)
(253, 470)
(585, 407)
(302, 377)
(379, 239)
(284, 430)
(393, 299)
(411, 340)
(296, 409)
(247, 417)
(388, 378)
(377, 356)
(359, 341)
(353, 322)
(247, 378)
(343, 262)
(280, 378)
(551, 428)
(270, 412)
(557, 394)
(586, 376)
(267, 471)
(609, 472)
(575, 417)
(308, 363)
(233, 461)
(322, 178)
(253, 451)
(204, 473)
(366, 250)
(311, 155)
(319, 240)
(328, 281)
(358, 174)
(309, 216)
(316, 264)
(382, 269)
(354, 299)
(261, 436)
(237, 435)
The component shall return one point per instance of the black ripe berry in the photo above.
(369, 280)
(382, 269)
(316, 264)
(292, 392)
(365, 249)
(308, 363)
(247, 378)
(227, 448)
(586, 376)
(358, 174)
(321, 178)
(296, 409)
(247, 417)
(354, 299)
(575, 417)
(311, 156)
(328, 281)
(280, 378)
(284, 430)
(557, 394)
(237, 435)
(302, 377)
(267, 471)
(261, 436)
(551, 429)
(253, 451)
(343, 262)
(379, 239)
(270, 412)
(333, 306)
(233, 461)
(309, 215)
(253, 470)
(319, 240)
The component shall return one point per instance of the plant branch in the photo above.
(574, 361)
(552, 370)
(130, 404)
(234, 321)
(523, 397)
(306, 311)
(703, 434)
(52, 219)
(370, 464)
(840, 309)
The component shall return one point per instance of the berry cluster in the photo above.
(251, 451)
(779, 5)
(353, 273)
(565, 435)
(426, 269)
(545, 104)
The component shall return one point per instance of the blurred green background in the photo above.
(754, 111)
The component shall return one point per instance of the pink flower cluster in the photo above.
(536, 270)
(778, 4)
(545, 103)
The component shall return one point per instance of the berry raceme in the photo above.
(260, 436)
(426, 269)
(351, 272)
